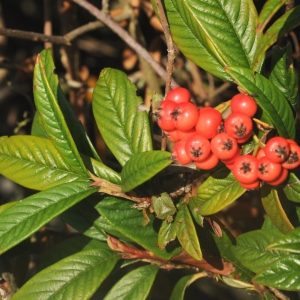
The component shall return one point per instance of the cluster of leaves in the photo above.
(59, 160)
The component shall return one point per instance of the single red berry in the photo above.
(238, 125)
(197, 147)
(185, 116)
(260, 153)
(179, 153)
(245, 104)
(209, 163)
(229, 166)
(250, 186)
(164, 115)
(293, 160)
(179, 95)
(184, 135)
(244, 139)
(290, 141)
(268, 170)
(172, 135)
(224, 146)
(277, 149)
(245, 169)
(208, 122)
(282, 177)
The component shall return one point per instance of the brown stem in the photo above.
(47, 21)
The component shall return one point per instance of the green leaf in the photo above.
(283, 74)
(125, 130)
(195, 210)
(76, 277)
(292, 189)
(134, 285)
(289, 242)
(36, 128)
(271, 100)
(186, 232)
(30, 214)
(267, 12)
(274, 209)
(127, 220)
(34, 163)
(142, 167)
(218, 191)
(6, 206)
(283, 274)
(284, 24)
(163, 207)
(166, 234)
(183, 283)
(46, 90)
(251, 249)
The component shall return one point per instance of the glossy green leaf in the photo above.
(268, 97)
(183, 283)
(6, 206)
(186, 232)
(292, 189)
(283, 74)
(274, 209)
(75, 277)
(217, 192)
(251, 250)
(194, 209)
(125, 130)
(289, 242)
(283, 274)
(46, 92)
(34, 163)
(166, 234)
(279, 28)
(129, 221)
(142, 167)
(36, 128)
(30, 214)
(134, 285)
(163, 206)
(267, 12)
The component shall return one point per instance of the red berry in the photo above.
(184, 135)
(245, 104)
(293, 160)
(224, 146)
(197, 147)
(209, 163)
(208, 122)
(179, 153)
(179, 95)
(277, 149)
(172, 135)
(260, 153)
(185, 116)
(282, 177)
(290, 141)
(164, 115)
(245, 169)
(244, 139)
(268, 170)
(232, 160)
(238, 125)
(251, 186)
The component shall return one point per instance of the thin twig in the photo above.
(105, 6)
(47, 21)
(278, 294)
(124, 35)
(220, 90)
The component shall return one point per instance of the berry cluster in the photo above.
(203, 137)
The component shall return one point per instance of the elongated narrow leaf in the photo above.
(30, 214)
(292, 189)
(289, 242)
(34, 163)
(268, 11)
(195, 210)
(283, 74)
(134, 285)
(183, 283)
(46, 89)
(274, 209)
(166, 234)
(271, 100)
(142, 167)
(251, 251)
(283, 274)
(6, 206)
(186, 232)
(284, 24)
(125, 130)
(129, 221)
(76, 277)
(218, 191)
(37, 128)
